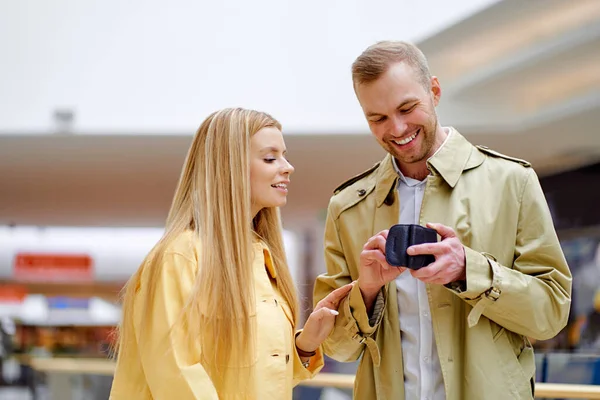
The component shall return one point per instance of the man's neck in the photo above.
(419, 169)
(415, 171)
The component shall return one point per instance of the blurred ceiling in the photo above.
(520, 77)
(519, 65)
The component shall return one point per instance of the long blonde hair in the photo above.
(213, 199)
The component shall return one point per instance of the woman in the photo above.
(211, 313)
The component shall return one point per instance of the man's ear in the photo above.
(436, 90)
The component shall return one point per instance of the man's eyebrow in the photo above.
(407, 101)
(401, 105)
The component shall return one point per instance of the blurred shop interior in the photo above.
(99, 102)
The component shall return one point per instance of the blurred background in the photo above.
(99, 101)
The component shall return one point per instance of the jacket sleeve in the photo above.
(532, 296)
(172, 368)
(353, 326)
(316, 364)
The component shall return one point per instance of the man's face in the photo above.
(401, 113)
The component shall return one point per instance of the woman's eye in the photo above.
(269, 160)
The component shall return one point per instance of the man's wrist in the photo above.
(463, 276)
(369, 295)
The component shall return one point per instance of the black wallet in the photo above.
(400, 238)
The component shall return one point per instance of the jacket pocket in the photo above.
(517, 360)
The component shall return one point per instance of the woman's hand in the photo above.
(320, 321)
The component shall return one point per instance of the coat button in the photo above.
(362, 192)
(287, 358)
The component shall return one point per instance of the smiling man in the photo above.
(457, 328)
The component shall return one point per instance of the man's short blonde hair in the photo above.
(378, 58)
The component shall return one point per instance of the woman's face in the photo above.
(269, 170)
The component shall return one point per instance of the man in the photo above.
(458, 328)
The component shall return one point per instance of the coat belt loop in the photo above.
(490, 296)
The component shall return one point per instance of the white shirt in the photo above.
(423, 378)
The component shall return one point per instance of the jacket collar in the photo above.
(269, 262)
(386, 179)
(266, 256)
(456, 155)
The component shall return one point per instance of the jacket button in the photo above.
(362, 192)
(287, 358)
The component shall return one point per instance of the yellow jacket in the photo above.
(518, 282)
(167, 369)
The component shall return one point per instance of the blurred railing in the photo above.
(542, 390)
(332, 380)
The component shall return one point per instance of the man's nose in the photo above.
(399, 126)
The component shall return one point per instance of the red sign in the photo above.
(12, 293)
(48, 267)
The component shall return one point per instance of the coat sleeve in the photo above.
(172, 368)
(532, 296)
(316, 364)
(353, 326)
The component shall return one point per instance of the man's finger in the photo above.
(375, 255)
(428, 272)
(393, 273)
(376, 242)
(444, 231)
(438, 273)
(427, 248)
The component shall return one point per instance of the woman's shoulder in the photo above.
(185, 244)
(176, 255)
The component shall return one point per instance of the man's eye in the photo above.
(379, 120)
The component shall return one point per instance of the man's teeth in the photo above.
(280, 185)
(406, 140)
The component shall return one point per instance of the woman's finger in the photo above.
(322, 313)
(333, 299)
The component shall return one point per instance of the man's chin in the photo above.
(408, 158)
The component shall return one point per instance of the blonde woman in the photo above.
(211, 313)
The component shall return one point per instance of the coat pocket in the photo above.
(518, 364)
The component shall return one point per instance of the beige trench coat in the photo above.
(518, 282)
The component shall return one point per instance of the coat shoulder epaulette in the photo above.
(494, 153)
(355, 179)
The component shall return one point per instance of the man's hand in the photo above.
(449, 265)
(374, 271)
